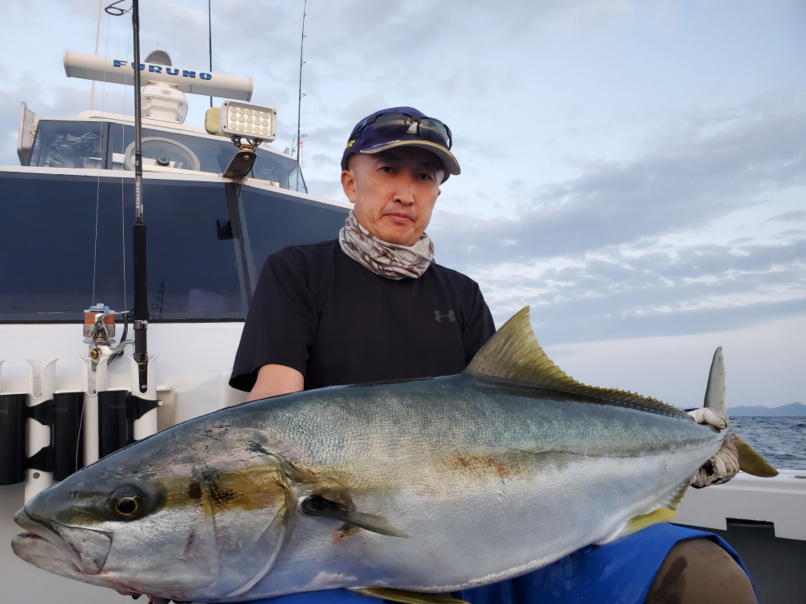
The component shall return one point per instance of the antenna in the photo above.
(119, 71)
(210, 38)
(299, 97)
(97, 42)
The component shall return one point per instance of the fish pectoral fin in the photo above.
(407, 597)
(319, 505)
(751, 461)
(665, 513)
(636, 523)
(376, 524)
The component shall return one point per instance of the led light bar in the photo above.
(242, 119)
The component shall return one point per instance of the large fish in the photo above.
(426, 485)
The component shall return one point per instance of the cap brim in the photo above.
(447, 158)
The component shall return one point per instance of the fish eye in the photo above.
(127, 507)
(128, 502)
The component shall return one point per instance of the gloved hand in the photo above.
(724, 464)
(707, 417)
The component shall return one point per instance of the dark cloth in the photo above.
(322, 313)
(617, 573)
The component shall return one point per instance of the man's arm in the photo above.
(274, 380)
(280, 326)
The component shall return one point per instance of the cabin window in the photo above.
(69, 144)
(193, 270)
(91, 144)
(49, 241)
(171, 149)
(272, 221)
(207, 242)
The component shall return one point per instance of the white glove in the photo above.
(709, 418)
(724, 464)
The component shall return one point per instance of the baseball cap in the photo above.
(398, 127)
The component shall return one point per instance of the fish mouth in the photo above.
(36, 532)
(43, 553)
(61, 548)
(43, 547)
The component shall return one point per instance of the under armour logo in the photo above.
(448, 316)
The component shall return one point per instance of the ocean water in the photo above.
(781, 440)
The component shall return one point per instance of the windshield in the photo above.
(90, 144)
(206, 244)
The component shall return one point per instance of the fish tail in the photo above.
(750, 460)
(715, 390)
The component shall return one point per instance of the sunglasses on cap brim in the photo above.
(397, 123)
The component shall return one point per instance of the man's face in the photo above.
(393, 192)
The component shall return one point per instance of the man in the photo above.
(373, 305)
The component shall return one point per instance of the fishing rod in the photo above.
(301, 62)
(140, 312)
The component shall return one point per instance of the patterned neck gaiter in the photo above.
(385, 259)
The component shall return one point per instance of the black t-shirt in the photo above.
(322, 313)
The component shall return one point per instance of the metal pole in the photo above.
(210, 38)
(97, 42)
(139, 229)
(299, 97)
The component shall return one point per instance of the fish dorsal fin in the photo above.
(513, 353)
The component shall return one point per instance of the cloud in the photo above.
(791, 216)
(669, 189)
(328, 137)
(330, 189)
(623, 292)
(646, 247)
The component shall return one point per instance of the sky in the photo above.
(635, 172)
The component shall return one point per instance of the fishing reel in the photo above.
(99, 333)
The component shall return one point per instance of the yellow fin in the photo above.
(751, 461)
(513, 353)
(656, 516)
(407, 597)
